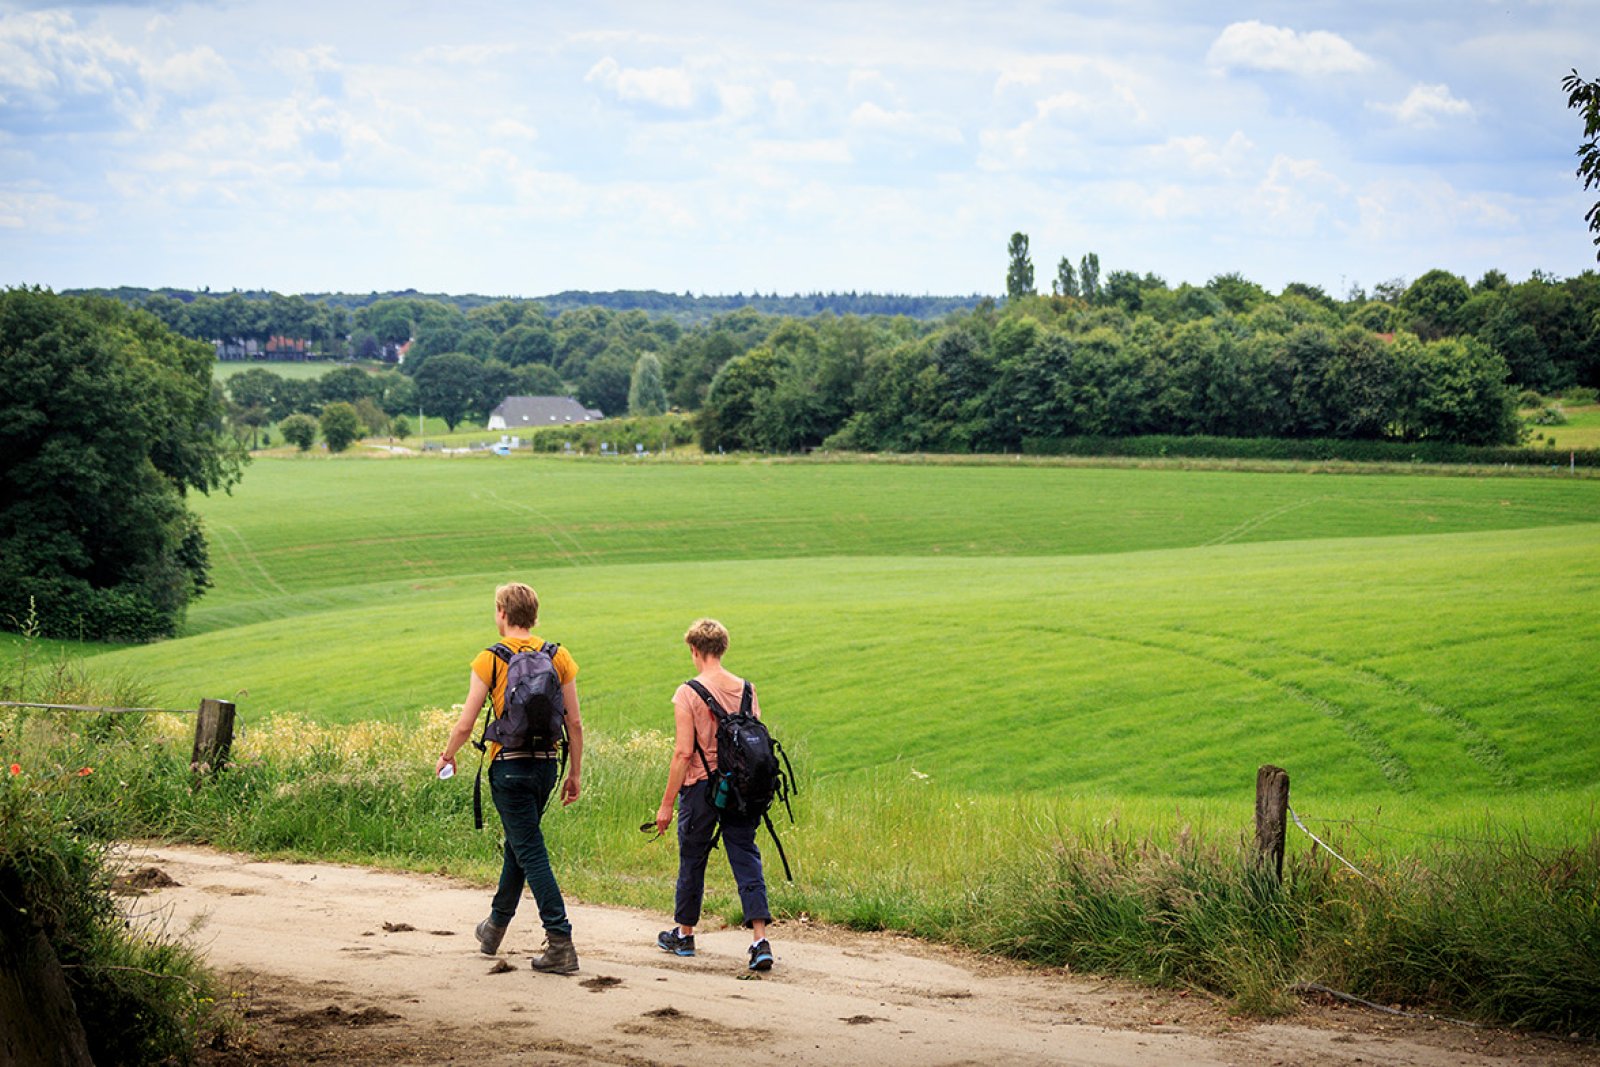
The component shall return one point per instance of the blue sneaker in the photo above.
(674, 942)
(761, 956)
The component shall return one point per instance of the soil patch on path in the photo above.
(359, 967)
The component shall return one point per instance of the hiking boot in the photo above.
(489, 936)
(559, 955)
(674, 942)
(761, 956)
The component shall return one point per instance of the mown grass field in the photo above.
(298, 370)
(1581, 430)
(1056, 631)
(1027, 700)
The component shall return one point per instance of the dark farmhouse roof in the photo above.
(528, 412)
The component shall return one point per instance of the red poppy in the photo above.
(16, 769)
(84, 772)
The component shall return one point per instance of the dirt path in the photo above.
(364, 967)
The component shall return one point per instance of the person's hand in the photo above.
(570, 790)
(444, 761)
(663, 818)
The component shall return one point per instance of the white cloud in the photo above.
(512, 130)
(1204, 156)
(664, 87)
(1062, 124)
(815, 151)
(870, 118)
(45, 61)
(42, 212)
(1425, 105)
(1254, 45)
(1297, 196)
(1397, 210)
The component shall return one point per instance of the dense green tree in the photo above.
(433, 339)
(348, 384)
(1431, 305)
(400, 426)
(1375, 316)
(581, 336)
(525, 343)
(605, 384)
(340, 425)
(1584, 98)
(299, 430)
(449, 386)
(1237, 293)
(1089, 277)
(496, 382)
(374, 420)
(1459, 393)
(255, 388)
(1066, 279)
(538, 379)
(646, 394)
(1019, 271)
(693, 362)
(107, 419)
(394, 392)
(725, 422)
(390, 321)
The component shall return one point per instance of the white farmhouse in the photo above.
(531, 412)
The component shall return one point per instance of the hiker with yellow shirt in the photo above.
(522, 779)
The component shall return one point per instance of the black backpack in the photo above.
(533, 715)
(752, 768)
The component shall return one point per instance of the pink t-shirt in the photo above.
(728, 690)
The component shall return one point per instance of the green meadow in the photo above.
(1060, 631)
(1026, 700)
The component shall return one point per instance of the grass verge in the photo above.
(1504, 930)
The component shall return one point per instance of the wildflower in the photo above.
(16, 769)
(84, 772)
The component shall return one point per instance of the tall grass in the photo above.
(1505, 930)
(148, 996)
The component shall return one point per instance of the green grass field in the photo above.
(297, 370)
(1581, 430)
(1068, 632)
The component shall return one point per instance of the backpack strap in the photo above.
(502, 654)
(719, 715)
(550, 648)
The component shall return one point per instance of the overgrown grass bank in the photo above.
(144, 995)
(1501, 928)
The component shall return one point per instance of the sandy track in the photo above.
(360, 966)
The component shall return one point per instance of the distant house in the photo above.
(531, 412)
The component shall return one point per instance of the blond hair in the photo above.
(708, 637)
(520, 604)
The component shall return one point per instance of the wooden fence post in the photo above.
(1272, 815)
(213, 735)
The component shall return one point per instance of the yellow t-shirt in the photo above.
(492, 670)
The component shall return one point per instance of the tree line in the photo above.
(1124, 354)
(1108, 353)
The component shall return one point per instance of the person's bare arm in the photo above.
(477, 690)
(572, 787)
(682, 753)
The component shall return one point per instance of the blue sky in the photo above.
(525, 148)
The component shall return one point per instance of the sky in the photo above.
(521, 149)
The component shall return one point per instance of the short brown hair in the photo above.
(708, 637)
(520, 604)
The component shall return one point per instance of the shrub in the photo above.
(1305, 450)
(299, 430)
